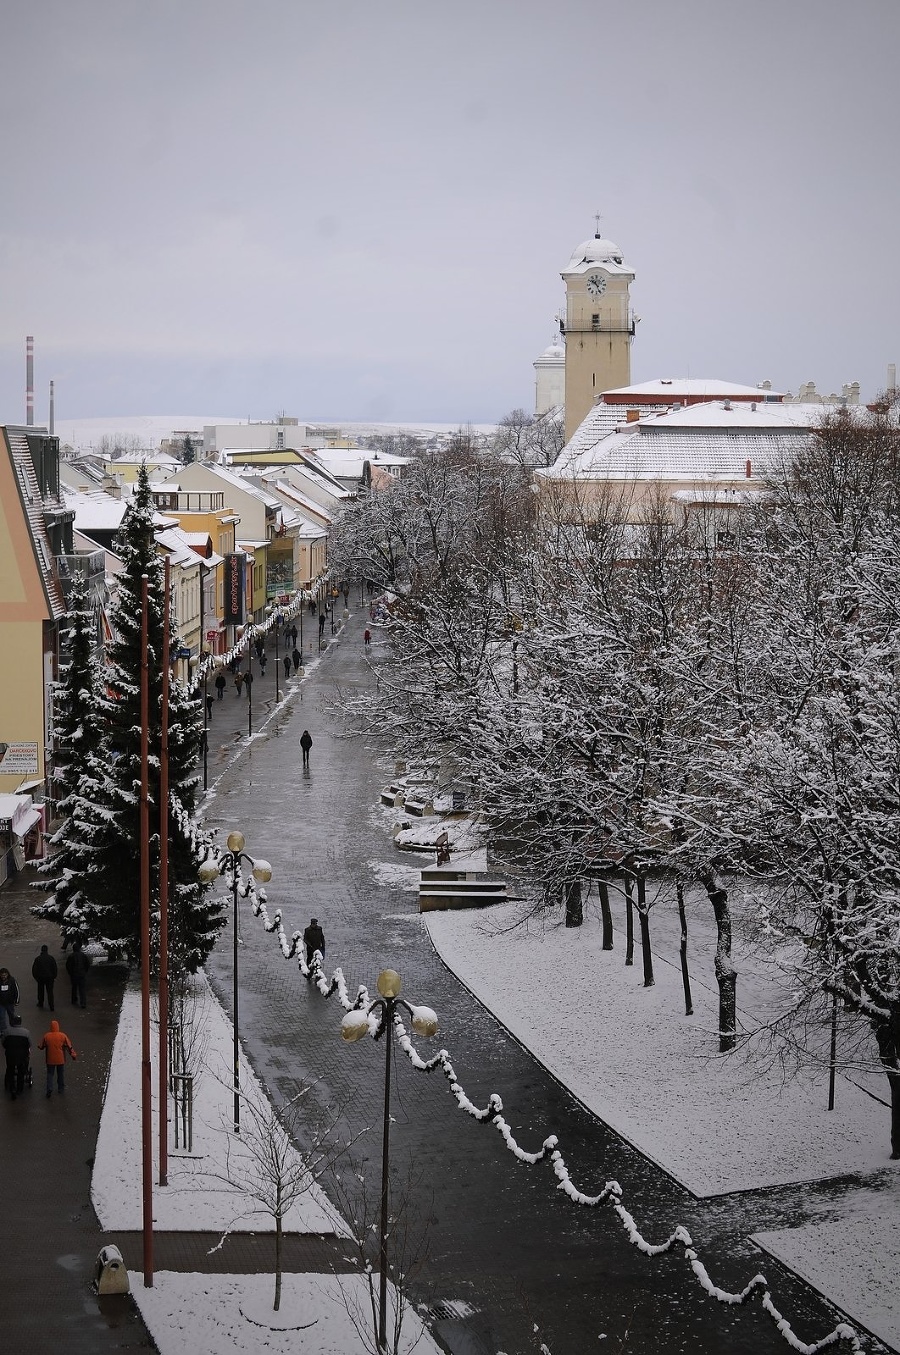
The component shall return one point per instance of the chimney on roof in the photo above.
(749, 470)
(726, 404)
(632, 415)
(29, 380)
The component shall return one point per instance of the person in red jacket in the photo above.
(56, 1044)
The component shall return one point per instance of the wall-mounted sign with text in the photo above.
(18, 759)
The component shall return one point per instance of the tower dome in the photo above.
(595, 250)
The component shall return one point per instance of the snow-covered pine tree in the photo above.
(112, 894)
(80, 776)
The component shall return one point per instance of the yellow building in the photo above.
(35, 534)
(599, 326)
(210, 528)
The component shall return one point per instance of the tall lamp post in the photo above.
(355, 1026)
(230, 863)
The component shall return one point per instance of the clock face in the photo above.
(596, 285)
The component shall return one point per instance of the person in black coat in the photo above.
(295, 655)
(17, 1044)
(9, 996)
(77, 967)
(306, 744)
(313, 940)
(44, 971)
(220, 684)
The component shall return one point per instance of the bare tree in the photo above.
(265, 1164)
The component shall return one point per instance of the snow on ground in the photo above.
(194, 1200)
(395, 874)
(852, 1261)
(221, 1314)
(629, 1053)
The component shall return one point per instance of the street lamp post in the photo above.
(231, 862)
(355, 1026)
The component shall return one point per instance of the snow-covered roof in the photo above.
(664, 389)
(95, 511)
(173, 541)
(713, 441)
(308, 506)
(139, 458)
(597, 252)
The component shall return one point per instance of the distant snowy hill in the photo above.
(152, 428)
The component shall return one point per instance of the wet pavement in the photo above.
(511, 1263)
(528, 1265)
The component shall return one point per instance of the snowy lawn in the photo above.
(221, 1314)
(716, 1123)
(194, 1200)
(853, 1261)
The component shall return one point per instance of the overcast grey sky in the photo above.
(361, 208)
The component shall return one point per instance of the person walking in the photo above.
(295, 657)
(287, 665)
(248, 683)
(238, 682)
(322, 619)
(44, 972)
(367, 638)
(9, 996)
(56, 1044)
(306, 744)
(293, 634)
(77, 966)
(263, 660)
(209, 705)
(220, 684)
(313, 940)
(17, 1045)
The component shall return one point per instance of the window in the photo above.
(595, 320)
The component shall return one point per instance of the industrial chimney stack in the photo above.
(29, 380)
(51, 408)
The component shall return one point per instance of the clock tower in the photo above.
(599, 326)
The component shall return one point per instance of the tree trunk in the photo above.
(644, 923)
(685, 976)
(605, 914)
(629, 920)
(889, 1053)
(277, 1262)
(574, 905)
(726, 974)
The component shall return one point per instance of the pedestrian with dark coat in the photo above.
(248, 683)
(238, 682)
(9, 996)
(293, 634)
(56, 1045)
(44, 972)
(287, 665)
(295, 656)
(17, 1044)
(209, 705)
(313, 940)
(77, 966)
(306, 744)
(263, 660)
(220, 684)
(322, 620)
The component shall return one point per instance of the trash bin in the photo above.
(111, 1276)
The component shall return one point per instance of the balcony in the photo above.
(586, 325)
(89, 565)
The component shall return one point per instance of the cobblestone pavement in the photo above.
(502, 1240)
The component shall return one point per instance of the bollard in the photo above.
(111, 1276)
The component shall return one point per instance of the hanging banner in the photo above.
(234, 589)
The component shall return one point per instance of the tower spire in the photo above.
(596, 225)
